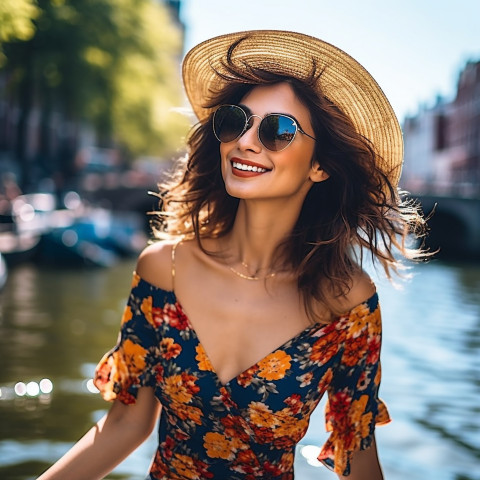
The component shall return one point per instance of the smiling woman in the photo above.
(253, 303)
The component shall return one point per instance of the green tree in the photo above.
(111, 64)
(16, 22)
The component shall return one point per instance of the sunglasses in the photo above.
(275, 132)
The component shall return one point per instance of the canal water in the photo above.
(55, 324)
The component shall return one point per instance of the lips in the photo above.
(246, 167)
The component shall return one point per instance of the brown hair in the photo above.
(355, 209)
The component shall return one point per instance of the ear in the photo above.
(317, 174)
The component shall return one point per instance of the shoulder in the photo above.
(154, 264)
(362, 288)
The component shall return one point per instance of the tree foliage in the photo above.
(112, 64)
(16, 20)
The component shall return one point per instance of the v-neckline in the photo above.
(276, 349)
(179, 307)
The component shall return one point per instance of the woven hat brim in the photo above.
(343, 81)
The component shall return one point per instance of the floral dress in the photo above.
(247, 428)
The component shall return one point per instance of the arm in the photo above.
(111, 440)
(365, 465)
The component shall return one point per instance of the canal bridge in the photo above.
(454, 224)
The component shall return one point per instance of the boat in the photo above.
(97, 238)
(17, 248)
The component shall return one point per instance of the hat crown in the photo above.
(343, 81)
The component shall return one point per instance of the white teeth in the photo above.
(248, 168)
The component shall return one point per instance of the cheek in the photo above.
(223, 147)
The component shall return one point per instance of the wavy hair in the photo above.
(355, 210)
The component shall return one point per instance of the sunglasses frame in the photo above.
(246, 127)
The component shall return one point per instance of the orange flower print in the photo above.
(355, 349)
(283, 442)
(146, 309)
(378, 375)
(294, 402)
(181, 388)
(305, 379)
(125, 397)
(175, 316)
(374, 344)
(341, 358)
(363, 381)
(202, 359)
(375, 322)
(157, 316)
(271, 470)
(261, 415)
(159, 467)
(287, 461)
(338, 405)
(274, 366)
(202, 469)
(289, 425)
(135, 280)
(184, 466)
(103, 378)
(341, 451)
(159, 371)
(235, 427)
(325, 380)
(246, 377)
(154, 315)
(169, 349)
(263, 435)
(358, 320)
(218, 446)
(247, 457)
(226, 399)
(187, 412)
(383, 416)
(134, 356)
(112, 376)
(358, 409)
(324, 348)
(127, 315)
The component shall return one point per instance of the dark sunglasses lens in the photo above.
(228, 123)
(277, 132)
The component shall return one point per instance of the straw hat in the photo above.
(343, 81)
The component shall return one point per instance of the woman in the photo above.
(255, 303)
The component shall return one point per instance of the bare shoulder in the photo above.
(154, 264)
(362, 288)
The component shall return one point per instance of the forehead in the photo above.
(277, 98)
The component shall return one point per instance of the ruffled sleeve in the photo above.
(353, 407)
(130, 364)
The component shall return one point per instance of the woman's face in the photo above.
(286, 174)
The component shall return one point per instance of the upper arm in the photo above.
(365, 465)
(139, 417)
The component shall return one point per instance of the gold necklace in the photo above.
(251, 277)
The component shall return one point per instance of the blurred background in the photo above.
(92, 114)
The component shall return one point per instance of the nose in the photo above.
(249, 140)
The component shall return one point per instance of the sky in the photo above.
(414, 49)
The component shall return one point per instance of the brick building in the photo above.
(442, 143)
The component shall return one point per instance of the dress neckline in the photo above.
(316, 327)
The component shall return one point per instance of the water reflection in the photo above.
(55, 324)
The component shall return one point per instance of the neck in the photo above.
(257, 232)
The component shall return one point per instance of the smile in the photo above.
(248, 168)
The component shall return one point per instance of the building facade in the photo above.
(442, 143)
